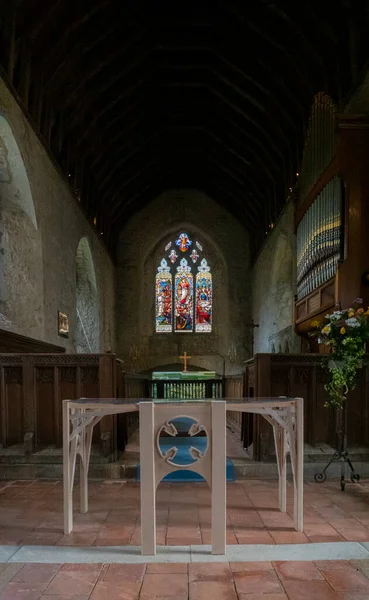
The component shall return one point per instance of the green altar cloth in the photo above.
(195, 385)
(181, 375)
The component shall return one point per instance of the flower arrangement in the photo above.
(346, 332)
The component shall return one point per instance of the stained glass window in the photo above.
(173, 256)
(194, 255)
(164, 298)
(204, 297)
(184, 289)
(184, 297)
(183, 242)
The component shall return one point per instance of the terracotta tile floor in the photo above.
(31, 514)
(323, 580)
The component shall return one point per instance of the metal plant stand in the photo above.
(341, 455)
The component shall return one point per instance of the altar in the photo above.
(186, 385)
(189, 385)
(208, 417)
(183, 375)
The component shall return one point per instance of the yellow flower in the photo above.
(360, 311)
(315, 324)
(351, 313)
(342, 331)
(326, 329)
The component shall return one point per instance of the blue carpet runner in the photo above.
(183, 457)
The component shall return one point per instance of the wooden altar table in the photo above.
(158, 416)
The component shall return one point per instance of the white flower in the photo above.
(353, 322)
(335, 316)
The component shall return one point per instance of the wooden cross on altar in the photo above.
(185, 358)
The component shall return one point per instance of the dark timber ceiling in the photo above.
(135, 97)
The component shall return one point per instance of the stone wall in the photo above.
(41, 226)
(87, 329)
(140, 249)
(274, 289)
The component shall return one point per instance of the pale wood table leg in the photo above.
(67, 482)
(280, 451)
(291, 437)
(218, 483)
(299, 517)
(86, 440)
(148, 483)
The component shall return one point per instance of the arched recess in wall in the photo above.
(21, 266)
(87, 303)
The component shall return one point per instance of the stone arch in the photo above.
(219, 268)
(138, 253)
(87, 303)
(21, 279)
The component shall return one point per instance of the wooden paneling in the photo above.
(315, 305)
(353, 169)
(45, 406)
(13, 405)
(66, 388)
(234, 388)
(33, 386)
(302, 375)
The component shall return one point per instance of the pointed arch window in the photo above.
(183, 288)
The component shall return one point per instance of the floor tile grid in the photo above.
(323, 580)
(31, 514)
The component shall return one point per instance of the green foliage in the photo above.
(346, 332)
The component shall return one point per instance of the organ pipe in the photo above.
(319, 240)
(320, 142)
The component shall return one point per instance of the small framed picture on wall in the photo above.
(63, 325)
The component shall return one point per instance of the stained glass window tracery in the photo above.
(173, 256)
(194, 255)
(183, 242)
(184, 291)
